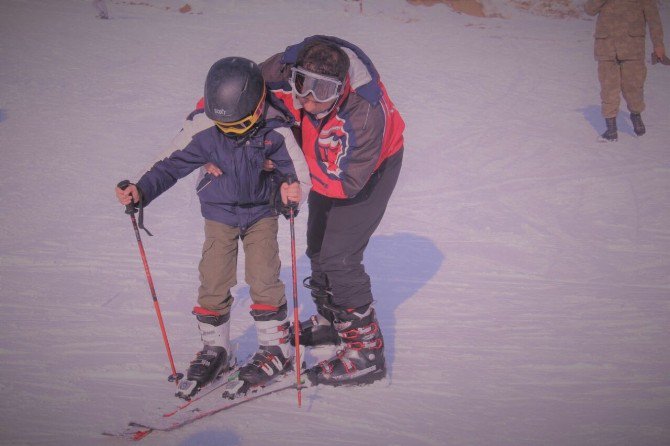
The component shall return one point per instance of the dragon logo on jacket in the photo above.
(333, 148)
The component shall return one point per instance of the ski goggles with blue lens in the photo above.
(322, 88)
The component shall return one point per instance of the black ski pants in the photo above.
(338, 231)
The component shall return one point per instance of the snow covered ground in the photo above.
(522, 272)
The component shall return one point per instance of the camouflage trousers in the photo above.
(218, 266)
(621, 77)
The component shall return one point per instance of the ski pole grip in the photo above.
(290, 179)
(130, 207)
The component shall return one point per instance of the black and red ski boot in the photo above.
(361, 360)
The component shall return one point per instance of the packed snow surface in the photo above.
(521, 273)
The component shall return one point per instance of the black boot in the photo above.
(213, 359)
(319, 329)
(273, 358)
(361, 360)
(638, 125)
(610, 134)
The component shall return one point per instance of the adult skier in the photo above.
(352, 137)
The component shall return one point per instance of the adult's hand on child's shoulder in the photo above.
(213, 169)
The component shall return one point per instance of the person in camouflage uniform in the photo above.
(619, 50)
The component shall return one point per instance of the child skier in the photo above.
(236, 129)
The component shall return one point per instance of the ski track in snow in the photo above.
(522, 271)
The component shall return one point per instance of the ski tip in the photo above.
(133, 435)
(137, 436)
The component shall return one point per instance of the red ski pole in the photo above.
(130, 210)
(296, 318)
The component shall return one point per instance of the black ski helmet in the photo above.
(234, 89)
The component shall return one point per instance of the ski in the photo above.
(189, 394)
(198, 410)
(212, 388)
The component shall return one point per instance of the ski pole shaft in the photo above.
(130, 210)
(296, 318)
(294, 273)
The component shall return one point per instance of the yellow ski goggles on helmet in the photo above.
(243, 125)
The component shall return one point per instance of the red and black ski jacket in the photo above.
(344, 148)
